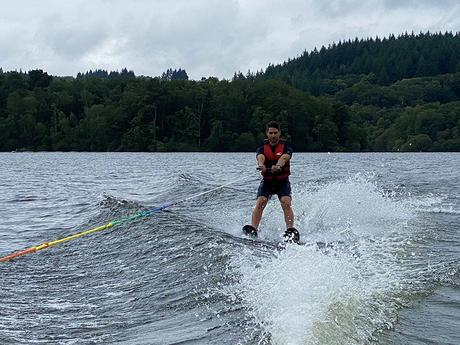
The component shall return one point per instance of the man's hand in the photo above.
(276, 168)
(262, 168)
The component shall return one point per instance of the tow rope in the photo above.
(109, 225)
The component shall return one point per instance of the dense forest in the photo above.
(392, 94)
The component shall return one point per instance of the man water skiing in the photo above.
(273, 160)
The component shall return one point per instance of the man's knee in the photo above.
(261, 203)
(285, 202)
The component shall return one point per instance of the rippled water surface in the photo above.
(380, 263)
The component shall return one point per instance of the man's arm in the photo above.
(261, 162)
(283, 160)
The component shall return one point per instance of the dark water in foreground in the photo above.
(186, 275)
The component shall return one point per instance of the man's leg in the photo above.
(258, 210)
(288, 212)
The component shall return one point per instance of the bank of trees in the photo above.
(388, 59)
(338, 109)
(150, 114)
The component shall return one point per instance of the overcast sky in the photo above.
(204, 37)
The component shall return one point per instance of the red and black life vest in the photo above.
(271, 158)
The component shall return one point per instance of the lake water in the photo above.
(389, 273)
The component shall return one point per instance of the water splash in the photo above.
(353, 206)
(289, 293)
(344, 293)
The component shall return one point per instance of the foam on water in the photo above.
(289, 293)
(346, 293)
(433, 203)
(353, 206)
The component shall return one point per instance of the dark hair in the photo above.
(272, 124)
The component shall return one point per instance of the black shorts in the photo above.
(279, 187)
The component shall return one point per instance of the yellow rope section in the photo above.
(53, 243)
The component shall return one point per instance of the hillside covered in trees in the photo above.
(393, 94)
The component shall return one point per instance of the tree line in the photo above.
(334, 99)
(388, 59)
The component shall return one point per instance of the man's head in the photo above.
(273, 132)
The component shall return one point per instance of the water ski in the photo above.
(250, 230)
(291, 235)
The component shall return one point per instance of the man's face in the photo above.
(273, 135)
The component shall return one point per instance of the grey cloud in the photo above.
(336, 8)
(402, 4)
(340, 8)
(70, 39)
(206, 37)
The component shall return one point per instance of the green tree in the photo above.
(325, 134)
(38, 78)
(215, 141)
(245, 142)
(419, 142)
